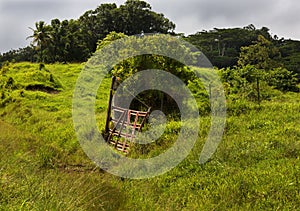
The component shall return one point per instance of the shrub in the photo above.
(283, 79)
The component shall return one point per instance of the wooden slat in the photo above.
(123, 127)
(123, 135)
(130, 124)
(142, 113)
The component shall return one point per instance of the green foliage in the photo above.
(20, 55)
(283, 80)
(289, 50)
(200, 93)
(130, 66)
(75, 40)
(138, 18)
(242, 81)
(112, 36)
(258, 67)
(222, 46)
(263, 55)
(239, 80)
(254, 46)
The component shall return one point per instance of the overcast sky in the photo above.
(190, 16)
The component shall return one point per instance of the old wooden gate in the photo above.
(121, 128)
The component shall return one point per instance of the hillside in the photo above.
(256, 166)
(223, 45)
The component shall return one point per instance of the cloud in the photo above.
(16, 16)
(190, 16)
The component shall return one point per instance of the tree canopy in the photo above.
(262, 54)
(75, 40)
(224, 46)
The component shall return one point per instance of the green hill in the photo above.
(42, 167)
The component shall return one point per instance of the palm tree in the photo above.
(41, 37)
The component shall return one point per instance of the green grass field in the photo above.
(42, 166)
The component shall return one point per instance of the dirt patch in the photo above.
(42, 88)
(69, 168)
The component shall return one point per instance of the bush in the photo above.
(282, 79)
(246, 81)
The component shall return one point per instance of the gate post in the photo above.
(109, 106)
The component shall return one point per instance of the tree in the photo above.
(283, 79)
(244, 81)
(259, 63)
(112, 36)
(137, 17)
(96, 24)
(41, 37)
(290, 51)
(20, 55)
(128, 67)
(55, 46)
(75, 46)
(75, 40)
(134, 17)
(223, 46)
(262, 54)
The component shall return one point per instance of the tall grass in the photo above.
(42, 167)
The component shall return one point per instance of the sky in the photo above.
(190, 16)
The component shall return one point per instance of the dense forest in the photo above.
(223, 46)
(76, 40)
